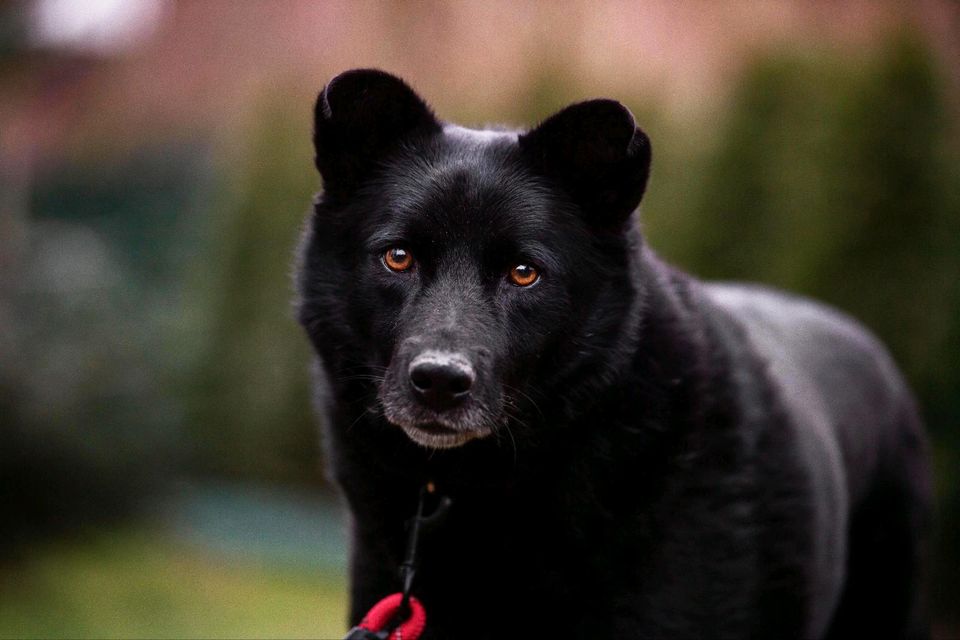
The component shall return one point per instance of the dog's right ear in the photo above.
(360, 116)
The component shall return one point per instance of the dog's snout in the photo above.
(441, 379)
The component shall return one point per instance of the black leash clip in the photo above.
(359, 633)
(420, 522)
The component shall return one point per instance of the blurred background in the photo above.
(159, 465)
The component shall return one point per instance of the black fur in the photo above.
(641, 455)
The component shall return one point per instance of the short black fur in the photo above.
(640, 455)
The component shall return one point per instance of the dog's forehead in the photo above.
(467, 179)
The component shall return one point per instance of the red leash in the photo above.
(400, 616)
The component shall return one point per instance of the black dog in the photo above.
(631, 453)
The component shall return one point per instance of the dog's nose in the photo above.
(441, 380)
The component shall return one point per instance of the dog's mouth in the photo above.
(439, 427)
(438, 436)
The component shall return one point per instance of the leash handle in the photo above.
(400, 616)
(377, 624)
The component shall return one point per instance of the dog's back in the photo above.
(859, 434)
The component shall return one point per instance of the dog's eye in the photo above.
(397, 259)
(523, 275)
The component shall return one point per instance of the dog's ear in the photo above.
(595, 152)
(359, 117)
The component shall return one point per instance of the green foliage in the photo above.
(85, 314)
(249, 397)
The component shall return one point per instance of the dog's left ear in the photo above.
(595, 152)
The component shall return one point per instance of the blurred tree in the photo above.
(89, 429)
(249, 395)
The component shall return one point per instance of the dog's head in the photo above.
(463, 274)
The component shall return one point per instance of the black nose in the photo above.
(441, 380)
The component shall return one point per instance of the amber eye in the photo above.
(523, 275)
(398, 259)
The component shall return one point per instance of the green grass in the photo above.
(142, 584)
